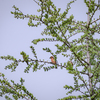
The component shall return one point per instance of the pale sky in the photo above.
(16, 36)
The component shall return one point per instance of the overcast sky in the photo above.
(16, 36)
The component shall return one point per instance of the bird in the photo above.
(71, 63)
(53, 60)
(70, 67)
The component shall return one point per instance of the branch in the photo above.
(92, 16)
(79, 23)
(70, 47)
(83, 81)
(72, 35)
(95, 69)
(83, 73)
(44, 39)
(84, 93)
(37, 2)
(8, 84)
(63, 35)
(95, 20)
(48, 63)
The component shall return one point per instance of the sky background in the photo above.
(16, 36)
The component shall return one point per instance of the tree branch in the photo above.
(83, 82)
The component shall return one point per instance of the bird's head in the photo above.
(51, 57)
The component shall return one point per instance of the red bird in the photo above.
(53, 60)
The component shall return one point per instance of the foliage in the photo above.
(17, 90)
(85, 51)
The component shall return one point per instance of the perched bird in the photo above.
(53, 60)
(70, 67)
(71, 63)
